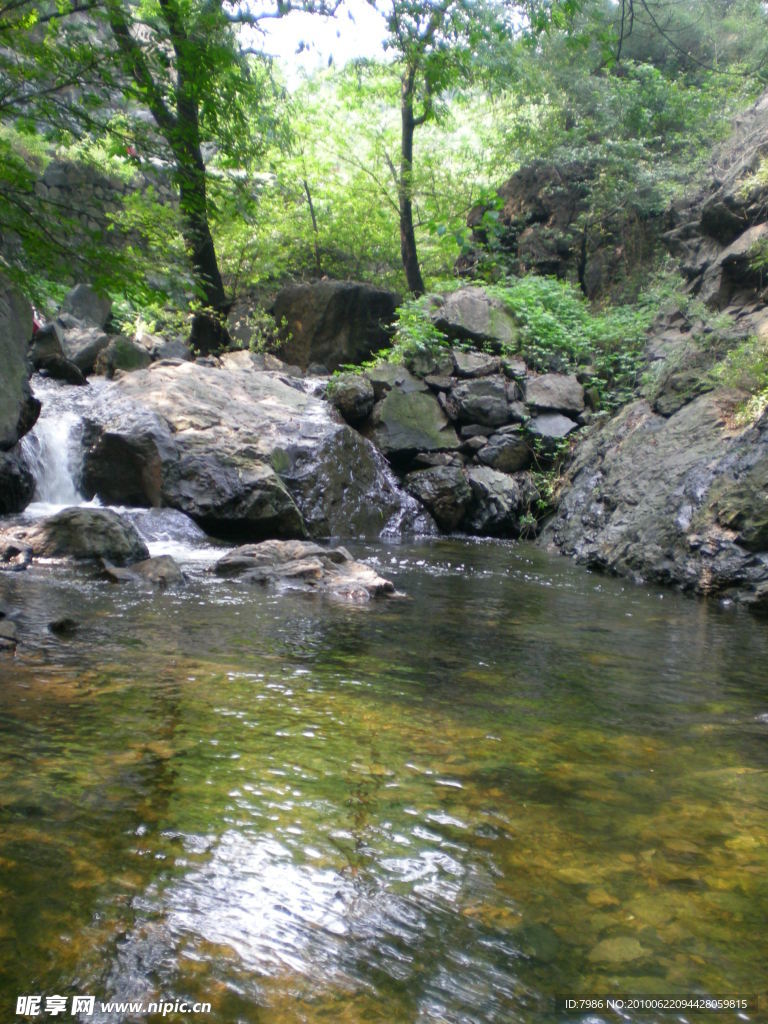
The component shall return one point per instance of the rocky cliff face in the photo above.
(675, 488)
(18, 408)
(545, 226)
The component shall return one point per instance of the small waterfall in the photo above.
(52, 447)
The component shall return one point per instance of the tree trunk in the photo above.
(193, 202)
(405, 190)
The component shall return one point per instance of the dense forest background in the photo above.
(228, 183)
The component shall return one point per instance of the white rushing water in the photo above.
(54, 452)
(53, 447)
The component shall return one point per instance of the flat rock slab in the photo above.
(407, 421)
(557, 392)
(304, 566)
(162, 571)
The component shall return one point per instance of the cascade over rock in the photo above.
(242, 451)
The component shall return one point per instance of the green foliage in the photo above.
(415, 333)
(560, 332)
(746, 367)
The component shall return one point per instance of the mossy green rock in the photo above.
(407, 421)
(742, 505)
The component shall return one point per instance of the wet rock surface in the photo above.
(240, 450)
(304, 566)
(677, 500)
(455, 425)
(18, 408)
(78, 533)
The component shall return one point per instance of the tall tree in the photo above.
(182, 62)
(440, 46)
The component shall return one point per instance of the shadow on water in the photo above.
(524, 780)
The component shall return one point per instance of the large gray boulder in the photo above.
(484, 401)
(243, 452)
(508, 452)
(444, 490)
(470, 313)
(677, 500)
(84, 533)
(17, 484)
(334, 322)
(121, 354)
(82, 345)
(499, 501)
(555, 392)
(87, 305)
(18, 408)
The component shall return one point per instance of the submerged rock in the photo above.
(9, 635)
(304, 566)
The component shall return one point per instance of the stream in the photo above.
(524, 781)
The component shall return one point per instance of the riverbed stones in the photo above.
(121, 354)
(484, 401)
(405, 422)
(304, 566)
(474, 364)
(508, 452)
(499, 501)
(161, 571)
(17, 483)
(555, 392)
(86, 533)
(82, 346)
(470, 313)
(550, 426)
(9, 635)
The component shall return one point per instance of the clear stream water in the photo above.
(523, 781)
